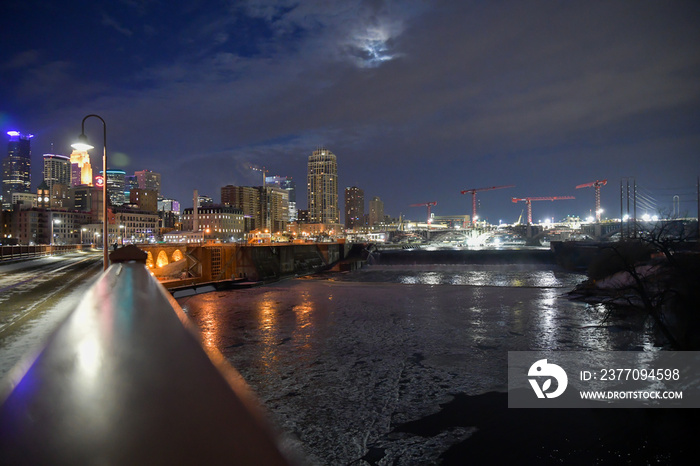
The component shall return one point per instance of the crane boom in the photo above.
(473, 192)
(528, 201)
(426, 204)
(595, 184)
(263, 170)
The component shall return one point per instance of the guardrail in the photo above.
(27, 252)
(125, 380)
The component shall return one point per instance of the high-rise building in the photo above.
(286, 183)
(57, 170)
(322, 187)
(148, 180)
(250, 200)
(354, 207)
(116, 186)
(376, 211)
(81, 170)
(16, 167)
(276, 209)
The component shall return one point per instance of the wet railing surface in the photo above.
(125, 380)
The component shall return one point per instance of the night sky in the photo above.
(418, 99)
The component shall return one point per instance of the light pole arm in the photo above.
(104, 127)
(105, 224)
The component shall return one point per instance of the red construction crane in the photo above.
(426, 204)
(595, 184)
(528, 201)
(473, 193)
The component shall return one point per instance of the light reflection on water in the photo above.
(535, 276)
(303, 330)
(267, 329)
(335, 358)
(507, 307)
(208, 323)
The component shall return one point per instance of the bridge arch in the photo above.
(162, 259)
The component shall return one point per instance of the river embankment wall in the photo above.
(213, 263)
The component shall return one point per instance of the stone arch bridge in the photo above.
(185, 264)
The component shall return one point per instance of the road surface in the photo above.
(36, 295)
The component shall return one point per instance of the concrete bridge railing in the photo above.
(125, 380)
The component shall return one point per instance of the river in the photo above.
(408, 365)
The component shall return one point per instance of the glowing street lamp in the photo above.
(82, 145)
(54, 221)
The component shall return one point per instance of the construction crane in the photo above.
(595, 184)
(473, 193)
(428, 205)
(528, 201)
(264, 172)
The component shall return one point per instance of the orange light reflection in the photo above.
(208, 323)
(267, 316)
(304, 327)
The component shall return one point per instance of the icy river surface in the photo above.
(395, 364)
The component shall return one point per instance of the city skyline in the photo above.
(629, 193)
(419, 100)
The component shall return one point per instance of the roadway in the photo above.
(36, 295)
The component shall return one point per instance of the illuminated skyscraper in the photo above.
(16, 167)
(354, 207)
(322, 187)
(57, 170)
(81, 170)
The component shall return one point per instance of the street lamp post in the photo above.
(83, 145)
